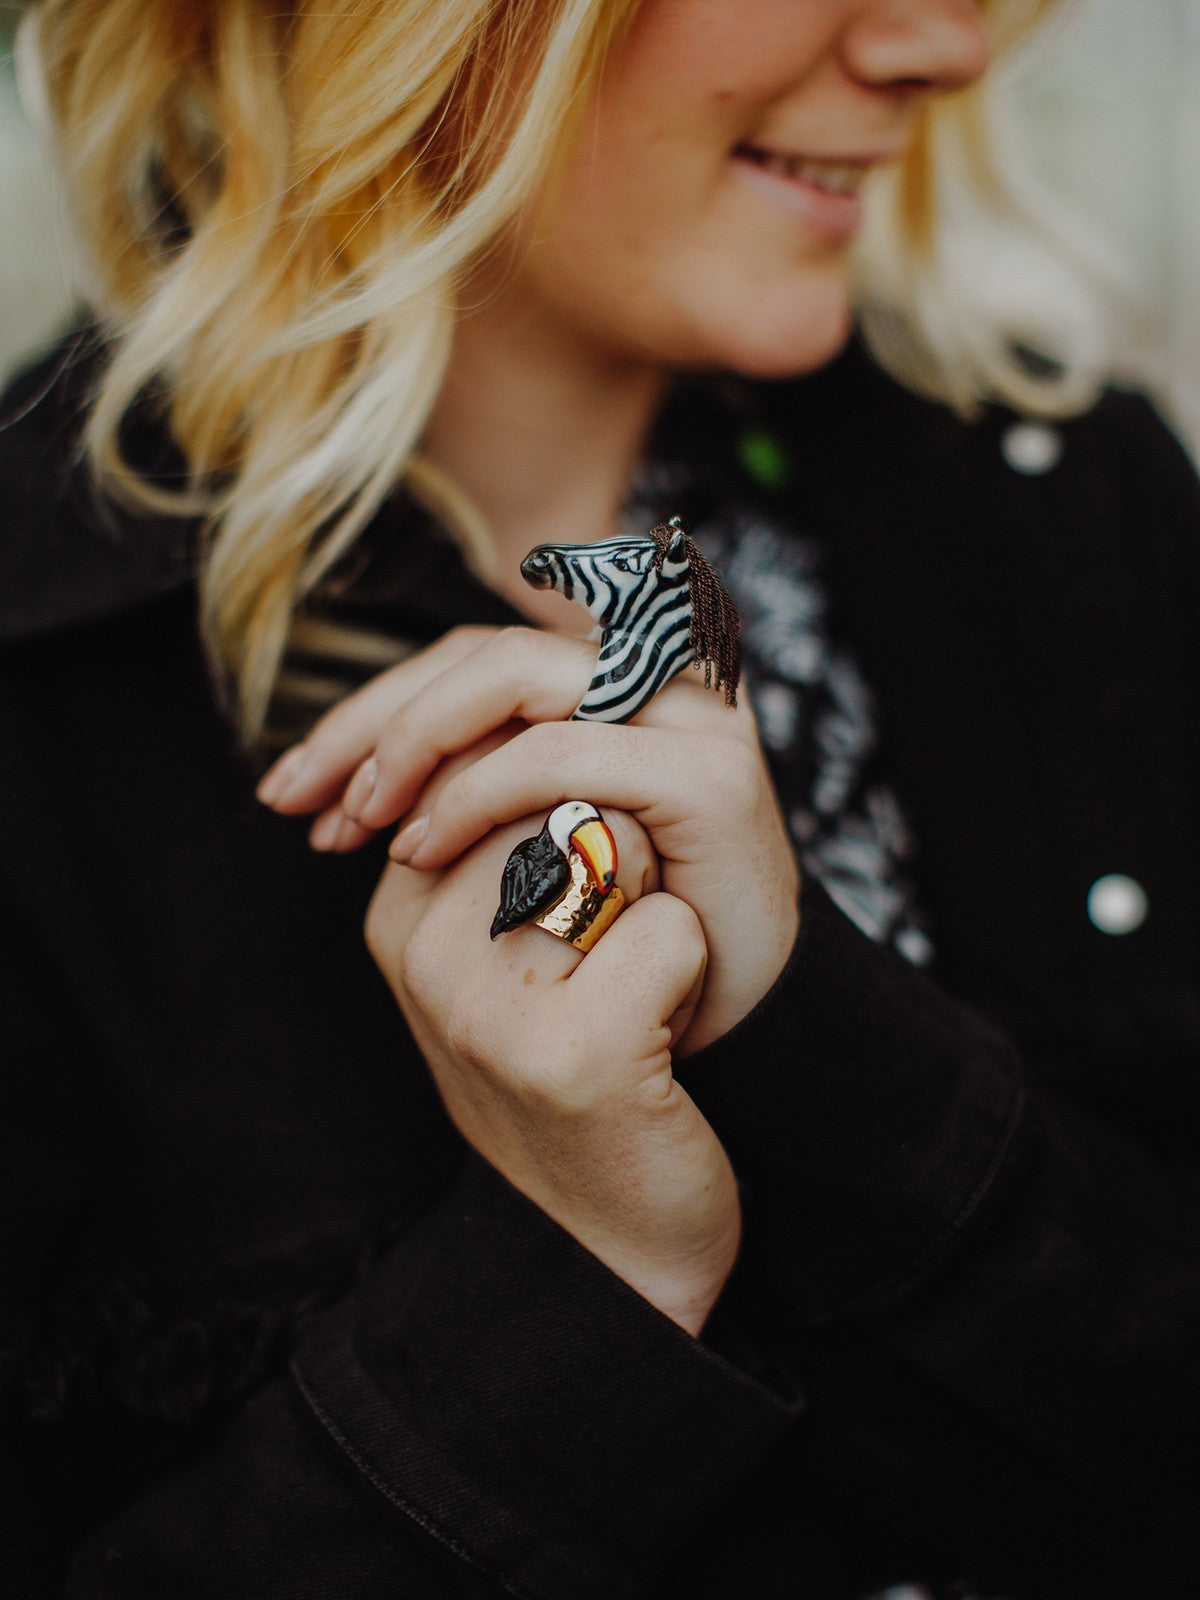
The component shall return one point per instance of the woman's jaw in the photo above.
(706, 215)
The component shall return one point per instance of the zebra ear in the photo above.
(677, 549)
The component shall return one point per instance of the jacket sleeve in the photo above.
(996, 1298)
(996, 1288)
(488, 1410)
(492, 1412)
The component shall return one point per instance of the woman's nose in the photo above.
(917, 44)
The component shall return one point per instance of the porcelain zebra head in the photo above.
(659, 605)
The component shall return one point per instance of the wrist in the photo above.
(684, 1288)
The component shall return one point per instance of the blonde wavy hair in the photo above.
(278, 206)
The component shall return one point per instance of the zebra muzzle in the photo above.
(537, 569)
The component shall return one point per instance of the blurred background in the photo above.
(1106, 105)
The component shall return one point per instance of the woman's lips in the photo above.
(825, 194)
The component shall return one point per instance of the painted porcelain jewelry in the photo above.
(564, 879)
(659, 606)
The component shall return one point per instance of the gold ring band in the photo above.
(583, 914)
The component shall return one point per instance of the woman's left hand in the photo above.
(687, 768)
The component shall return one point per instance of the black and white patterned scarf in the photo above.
(816, 715)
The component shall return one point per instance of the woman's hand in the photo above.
(688, 769)
(557, 1067)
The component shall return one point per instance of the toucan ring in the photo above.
(564, 879)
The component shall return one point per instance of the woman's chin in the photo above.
(788, 347)
(779, 361)
(782, 336)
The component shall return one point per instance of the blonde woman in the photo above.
(738, 1256)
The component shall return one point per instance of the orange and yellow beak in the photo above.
(598, 850)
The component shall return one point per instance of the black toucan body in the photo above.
(538, 872)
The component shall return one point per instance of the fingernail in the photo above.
(362, 787)
(325, 830)
(277, 780)
(409, 840)
(349, 834)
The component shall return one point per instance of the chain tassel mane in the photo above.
(716, 629)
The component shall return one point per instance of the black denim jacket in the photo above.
(270, 1331)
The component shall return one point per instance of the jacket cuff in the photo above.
(867, 1116)
(496, 1382)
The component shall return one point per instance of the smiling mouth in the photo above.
(832, 177)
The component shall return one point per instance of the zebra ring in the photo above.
(564, 880)
(659, 606)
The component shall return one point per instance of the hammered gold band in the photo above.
(583, 914)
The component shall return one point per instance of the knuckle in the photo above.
(373, 930)
(545, 741)
(517, 639)
(419, 964)
(466, 1036)
(380, 924)
(679, 924)
(628, 752)
(517, 652)
(564, 1084)
(491, 1040)
(397, 732)
(571, 1094)
(734, 775)
(465, 792)
(466, 637)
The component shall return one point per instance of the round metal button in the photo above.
(1117, 904)
(1032, 448)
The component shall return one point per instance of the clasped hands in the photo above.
(557, 1067)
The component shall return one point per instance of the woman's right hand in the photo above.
(557, 1067)
(491, 707)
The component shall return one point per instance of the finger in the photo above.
(643, 979)
(456, 953)
(641, 771)
(593, 1024)
(401, 899)
(471, 993)
(337, 833)
(312, 774)
(518, 677)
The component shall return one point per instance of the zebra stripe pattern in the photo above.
(644, 615)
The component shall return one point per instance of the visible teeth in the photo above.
(839, 177)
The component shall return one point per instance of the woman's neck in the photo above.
(542, 434)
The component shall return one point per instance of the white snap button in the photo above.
(1117, 904)
(1032, 448)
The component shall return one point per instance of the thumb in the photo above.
(644, 975)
